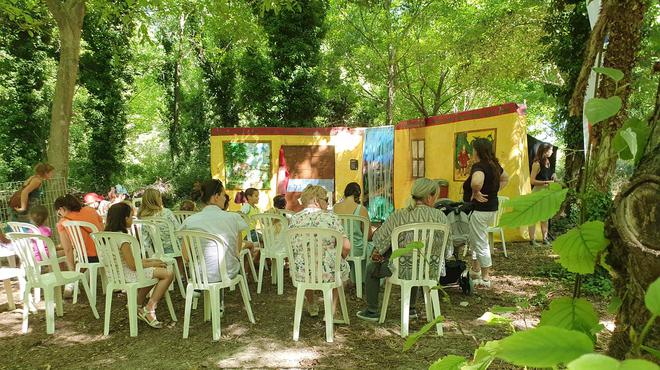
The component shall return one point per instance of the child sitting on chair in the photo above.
(120, 219)
(39, 217)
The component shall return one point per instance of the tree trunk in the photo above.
(624, 32)
(391, 85)
(69, 18)
(634, 231)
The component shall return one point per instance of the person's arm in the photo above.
(536, 168)
(346, 248)
(504, 179)
(65, 242)
(34, 184)
(476, 185)
(127, 255)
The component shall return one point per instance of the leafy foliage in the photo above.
(413, 338)
(544, 346)
(531, 208)
(652, 298)
(572, 314)
(630, 140)
(449, 362)
(596, 361)
(579, 248)
(600, 109)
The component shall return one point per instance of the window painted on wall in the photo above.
(418, 168)
(247, 165)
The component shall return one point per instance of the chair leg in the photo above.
(503, 243)
(358, 277)
(104, 279)
(91, 303)
(179, 280)
(329, 321)
(59, 309)
(260, 278)
(427, 303)
(76, 287)
(26, 308)
(342, 303)
(93, 278)
(243, 287)
(280, 276)
(436, 309)
(405, 309)
(491, 242)
(108, 309)
(170, 307)
(132, 310)
(186, 314)
(215, 314)
(297, 315)
(37, 295)
(10, 295)
(386, 301)
(50, 309)
(252, 269)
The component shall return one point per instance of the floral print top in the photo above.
(314, 217)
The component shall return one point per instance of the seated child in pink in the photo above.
(38, 217)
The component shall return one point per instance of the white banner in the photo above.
(298, 185)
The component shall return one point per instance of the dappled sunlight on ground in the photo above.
(275, 355)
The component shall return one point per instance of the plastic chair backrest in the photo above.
(306, 244)
(163, 223)
(75, 231)
(141, 228)
(351, 224)
(108, 246)
(194, 243)
(271, 226)
(24, 245)
(182, 215)
(500, 209)
(421, 269)
(24, 227)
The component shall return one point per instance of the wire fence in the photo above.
(51, 190)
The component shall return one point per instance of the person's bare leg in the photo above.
(544, 230)
(164, 277)
(485, 273)
(532, 233)
(476, 267)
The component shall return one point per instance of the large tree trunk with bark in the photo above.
(624, 32)
(69, 18)
(634, 231)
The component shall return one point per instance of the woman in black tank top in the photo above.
(541, 177)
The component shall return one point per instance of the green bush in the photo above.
(598, 284)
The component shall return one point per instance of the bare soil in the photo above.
(78, 342)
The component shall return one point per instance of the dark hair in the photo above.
(353, 190)
(42, 169)
(279, 201)
(117, 215)
(540, 154)
(226, 202)
(187, 205)
(69, 202)
(250, 192)
(484, 149)
(211, 188)
(39, 215)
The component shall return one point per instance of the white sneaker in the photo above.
(483, 283)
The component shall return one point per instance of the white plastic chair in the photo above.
(245, 254)
(349, 223)
(108, 246)
(6, 274)
(422, 274)
(274, 247)
(495, 228)
(306, 244)
(182, 215)
(157, 238)
(75, 231)
(50, 282)
(194, 243)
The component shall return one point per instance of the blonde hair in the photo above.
(312, 192)
(421, 189)
(152, 203)
(42, 169)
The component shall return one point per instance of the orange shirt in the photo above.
(86, 214)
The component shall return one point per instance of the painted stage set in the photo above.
(383, 160)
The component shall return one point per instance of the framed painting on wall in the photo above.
(247, 165)
(463, 150)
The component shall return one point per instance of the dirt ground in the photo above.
(78, 342)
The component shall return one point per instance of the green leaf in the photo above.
(622, 145)
(493, 319)
(407, 249)
(483, 356)
(531, 208)
(572, 314)
(579, 247)
(652, 297)
(503, 309)
(544, 346)
(614, 305)
(612, 73)
(449, 362)
(650, 350)
(598, 109)
(412, 339)
(630, 137)
(594, 361)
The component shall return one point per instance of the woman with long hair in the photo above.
(541, 177)
(486, 179)
(152, 206)
(120, 219)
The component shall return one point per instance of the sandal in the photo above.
(154, 323)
